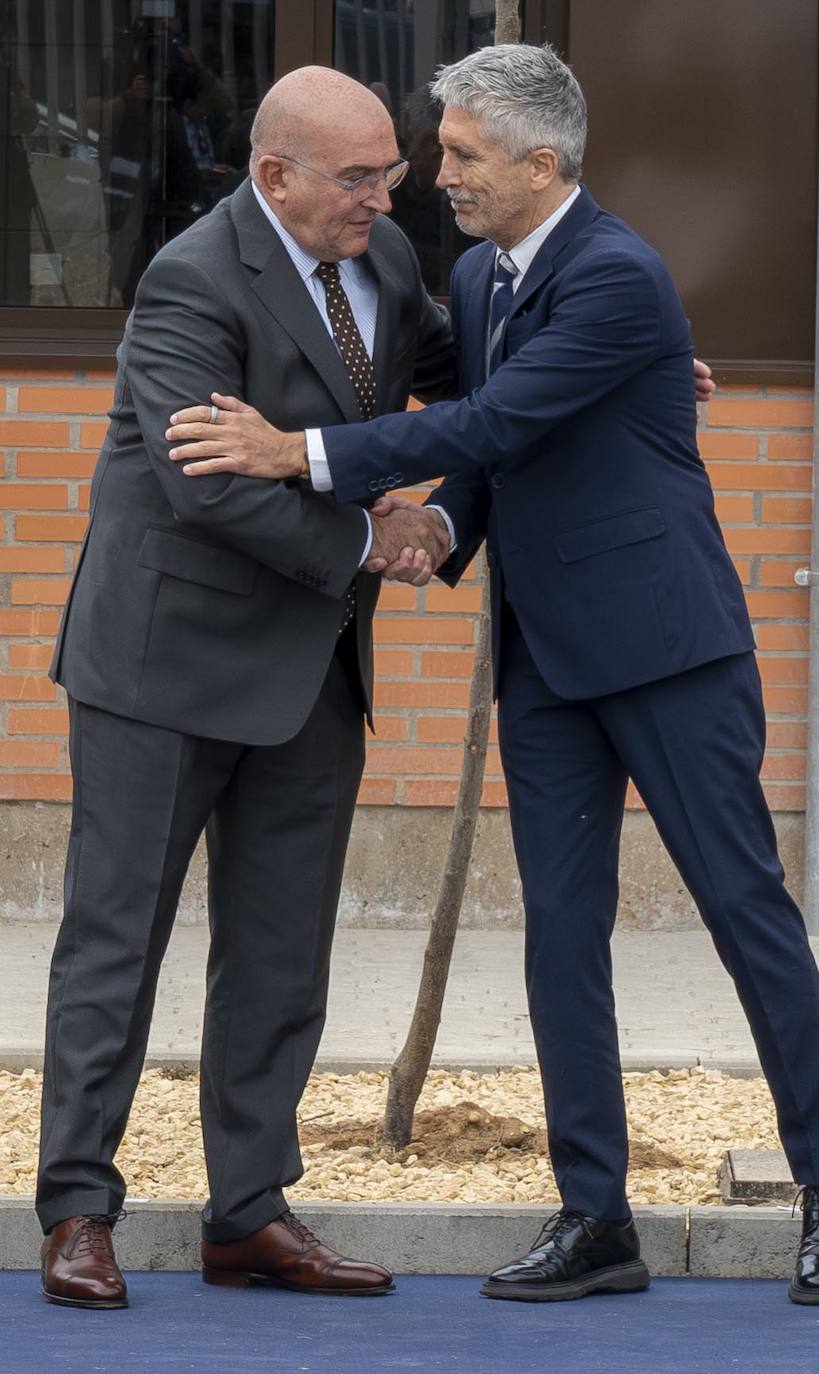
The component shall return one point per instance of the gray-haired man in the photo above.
(622, 644)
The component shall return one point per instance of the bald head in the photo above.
(311, 107)
(322, 145)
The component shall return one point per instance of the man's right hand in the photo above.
(409, 542)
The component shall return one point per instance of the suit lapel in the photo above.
(282, 291)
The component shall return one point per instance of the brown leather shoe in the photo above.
(286, 1254)
(79, 1266)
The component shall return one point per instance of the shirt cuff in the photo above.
(319, 467)
(365, 555)
(322, 481)
(453, 543)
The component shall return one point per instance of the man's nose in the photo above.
(378, 198)
(448, 175)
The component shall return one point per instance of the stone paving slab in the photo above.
(676, 1005)
(756, 1176)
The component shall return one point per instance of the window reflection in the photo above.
(121, 123)
(394, 46)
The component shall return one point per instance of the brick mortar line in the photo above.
(761, 431)
(92, 417)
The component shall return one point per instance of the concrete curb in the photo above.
(15, 1058)
(743, 1242)
(445, 1238)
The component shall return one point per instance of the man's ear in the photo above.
(543, 164)
(270, 176)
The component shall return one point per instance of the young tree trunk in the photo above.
(410, 1068)
(507, 21)
(412, 1064)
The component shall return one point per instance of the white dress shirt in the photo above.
(523, 253)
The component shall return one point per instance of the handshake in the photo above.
(410, 542)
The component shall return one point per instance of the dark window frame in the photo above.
(68, 337)
(302, 33)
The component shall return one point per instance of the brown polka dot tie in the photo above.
(358, 363)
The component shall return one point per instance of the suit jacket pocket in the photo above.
(618, 531)
(194, 560)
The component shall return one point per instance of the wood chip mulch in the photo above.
(477, 1137)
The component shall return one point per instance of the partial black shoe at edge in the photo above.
(573, 1256)
(805, 1282)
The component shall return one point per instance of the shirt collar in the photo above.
(353, 271)
(524, 252)
(304, 262)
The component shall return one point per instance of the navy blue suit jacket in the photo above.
(577, 460)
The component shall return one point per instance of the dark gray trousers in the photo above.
(278, 821)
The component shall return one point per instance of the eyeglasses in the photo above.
(390, 177)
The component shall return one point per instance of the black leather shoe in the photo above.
(805, 1282)
(574, 1255)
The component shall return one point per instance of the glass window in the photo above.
(121, 122)
(394, 46)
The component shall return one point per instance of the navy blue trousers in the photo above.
(693, 744)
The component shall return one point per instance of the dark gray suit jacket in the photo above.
(211, 605)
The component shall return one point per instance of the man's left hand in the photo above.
(241, 442)
(703, 386)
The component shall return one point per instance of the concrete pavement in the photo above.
(676, 1005)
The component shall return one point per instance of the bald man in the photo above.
(216, 650)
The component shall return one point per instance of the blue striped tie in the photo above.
(502, 297)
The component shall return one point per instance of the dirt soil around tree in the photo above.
(477, 1137)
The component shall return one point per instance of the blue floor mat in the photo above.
(175, 1325)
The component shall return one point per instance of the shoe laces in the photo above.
(94, 1234)
(555, 1225)
(299, 1228)
(807, 1198)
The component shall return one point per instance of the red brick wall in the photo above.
(757, 443)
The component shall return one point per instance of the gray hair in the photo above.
(524, 97)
